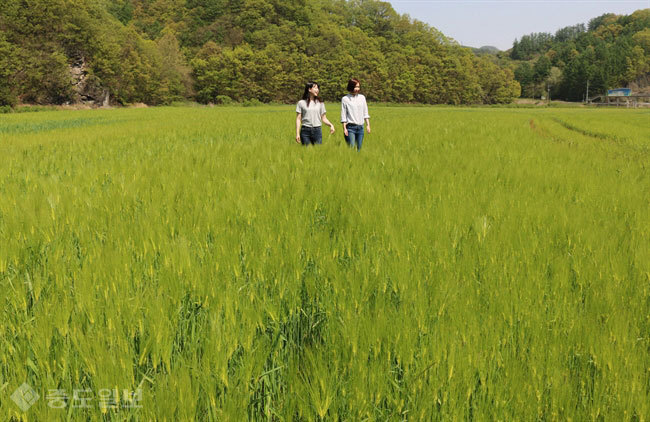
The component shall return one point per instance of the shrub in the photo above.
(223, 99)
(253, 102)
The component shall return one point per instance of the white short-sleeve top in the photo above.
(312, 114)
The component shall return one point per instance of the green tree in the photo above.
(175, 73)
(525, 76)
(7, 70)
(637, 64)
(541, 69)
(642, 39)
(498, 85)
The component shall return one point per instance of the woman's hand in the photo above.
(328, 123)
(345, 131)
(298, 125)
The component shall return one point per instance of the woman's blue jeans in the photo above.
(355, 136)
(311, 135)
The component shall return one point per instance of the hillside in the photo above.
(158, 51)
(486, 49)
(611, 51)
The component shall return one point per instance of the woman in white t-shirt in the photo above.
(310, 117)
(354, 110)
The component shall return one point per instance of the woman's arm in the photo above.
(344, 117)
(298, 121)
(328, 123)
(366, 116)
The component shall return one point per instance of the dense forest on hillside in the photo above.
(158, 51)
(611, 51)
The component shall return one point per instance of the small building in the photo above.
(621, 97)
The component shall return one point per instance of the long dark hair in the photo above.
(305, 95)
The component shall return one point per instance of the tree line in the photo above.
(218, 51)
(611, 51)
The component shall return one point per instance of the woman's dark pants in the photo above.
(355, 136)
(310, 135)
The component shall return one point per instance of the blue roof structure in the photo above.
(619, 92)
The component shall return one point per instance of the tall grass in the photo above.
(479, 264)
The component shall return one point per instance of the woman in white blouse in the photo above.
(310, 116)
(354, 110)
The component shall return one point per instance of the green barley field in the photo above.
(196, 264)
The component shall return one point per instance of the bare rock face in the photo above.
(641, 85)
(86, 87)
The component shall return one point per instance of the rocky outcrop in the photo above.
(86, 87)
(641, 85)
